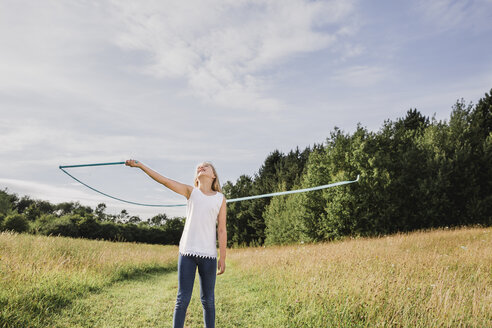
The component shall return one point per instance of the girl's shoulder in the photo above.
(222, 197)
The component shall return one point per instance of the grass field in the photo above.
(441, 278)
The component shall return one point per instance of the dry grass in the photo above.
(441, 278)
(425, 279)
(28, 257)
(40, 274)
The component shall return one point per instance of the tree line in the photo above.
(71, 219)
(415, 173)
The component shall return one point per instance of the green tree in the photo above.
(246, 219)
(37, 208)
(158, 220)
(100, 209)
(123, 216)
(173, 229)
(264, 182)
(134, 219)
(88, 227)
(481, 127)
(66, 225)
(283, 219)
(23, 203)
(65, 208)
(15, 222)
(32, 212)
(5, 204)
(239, 229)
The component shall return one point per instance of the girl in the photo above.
(197, 248)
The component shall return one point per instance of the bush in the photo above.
(109, 231)
(5, 204)
(88, 227)
(16, 222)
(65, 225)
(173, 229)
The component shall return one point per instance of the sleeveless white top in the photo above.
(199, 236)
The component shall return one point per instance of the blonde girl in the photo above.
(206, 207)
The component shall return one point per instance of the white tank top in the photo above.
(199, 237)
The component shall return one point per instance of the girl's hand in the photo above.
(221, 265)
(132, 163)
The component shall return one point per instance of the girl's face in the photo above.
(205, 169)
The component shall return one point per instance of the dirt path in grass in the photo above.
(148, 301)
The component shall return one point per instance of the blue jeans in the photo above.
(207, 269)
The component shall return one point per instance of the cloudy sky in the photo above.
(173, 83)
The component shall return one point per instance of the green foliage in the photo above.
(51, 225)
(73, 208)
(20, 205)
(158, 220)
(415, 173)
(5, 204)
(15, 222)
(71, 219)
(74, 225)
(99, 211)
(283, 219)
(246, 219)
(32, 212)
(239, 221)
(172, 230)
(88, 227)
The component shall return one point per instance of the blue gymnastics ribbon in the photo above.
(62, 167)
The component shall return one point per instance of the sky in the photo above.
(175, 83)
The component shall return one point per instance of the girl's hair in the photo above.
(215, 183)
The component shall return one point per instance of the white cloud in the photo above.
(362, 76)
(48, 46)
(221, 48)
(445, 15)
(39, 190)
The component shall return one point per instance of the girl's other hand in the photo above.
(221, 266)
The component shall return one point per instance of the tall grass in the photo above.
(441, 278)
(39, 274)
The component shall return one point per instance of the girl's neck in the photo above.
(205, 187)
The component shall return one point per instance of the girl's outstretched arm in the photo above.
(178, 187)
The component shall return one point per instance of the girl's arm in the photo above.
(178, 187)
(222, 227)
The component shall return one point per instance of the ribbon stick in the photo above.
(62, 167)
(102, 193)
(294, 191)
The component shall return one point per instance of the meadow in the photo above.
(437, 278)
(39, 275)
